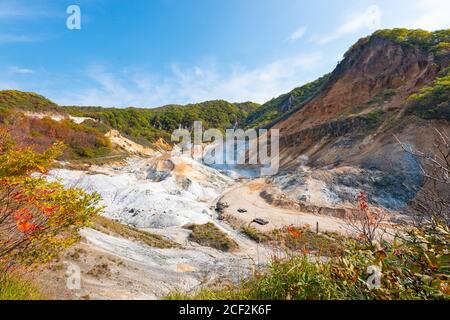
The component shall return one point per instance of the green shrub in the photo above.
(436, 42)
(297, 240)
(431, 41)
(255, 235)
(433, 102)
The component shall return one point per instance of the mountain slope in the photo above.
(27, 101)
(368, 98)
(273, 109)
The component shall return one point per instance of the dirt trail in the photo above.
(247, 196)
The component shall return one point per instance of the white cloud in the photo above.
(424, 14)
(19, 70)
(8, 10)
(13, 38)
(433, 15)
(23, 9)
(297, 34)
(369, 19)
(193, 84)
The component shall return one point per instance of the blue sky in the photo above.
(153, 52)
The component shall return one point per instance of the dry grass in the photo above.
(209, 235)
(111, 227)
(100, 270)
(255, 234)
(305, 240)
(16, 287)
(299, 239)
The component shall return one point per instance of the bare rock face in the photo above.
(126, 145)
(351, 122)
(367, 70)
(352, 119)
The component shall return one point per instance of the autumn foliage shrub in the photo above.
(38, 218)
(81, 141)
(414, 266)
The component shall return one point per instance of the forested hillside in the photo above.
(35, 121)
(26, 101)
(147, 125)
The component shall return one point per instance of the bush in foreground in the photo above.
(415, 266)
(38, 219)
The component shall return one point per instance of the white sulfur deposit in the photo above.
(147, 195)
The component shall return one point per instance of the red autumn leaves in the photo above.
(362, 199)
(363, 206)
(25, 218)
(294, 232)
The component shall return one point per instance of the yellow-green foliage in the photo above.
(151, 124)
(38, 219)
(307, 241)
(299, 240)
(277, 107)
(13, 287)
(437, 42)
(83, 141)
(433, 101)
(256, 235)
(27, 101)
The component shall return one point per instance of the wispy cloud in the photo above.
(193, 84)
(19, 70)
(434, 14)
(369, 19)
(8, 10)
(14, 38)
(13, 9)
(297, 34)
(17, 9)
